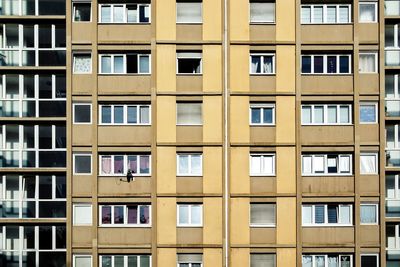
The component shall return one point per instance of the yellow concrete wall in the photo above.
(212, 68)
(166, 12)
(166, 67)
(166, 170)
(166, 119)
(286, 257)
(212, 20)
(239, 20)
(239, 119)
(285, 119)
(212, 257)
(212, 170)
(212, 230)
(212, 119)
(239, 170)
(166, 218)
(285, 20)
(286, 170)
(286, 221)
(240, 257)
(239, 68)
(239, 218)
(166, 257)
(285, 68)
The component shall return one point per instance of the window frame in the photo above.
(125, 14)
(125, 214)
(376, 213)
(74, 111)
(375, 104)
(326, 223)
(324, 13)
(125, 114)
(375, 11)
(82, 255)
(190, 22)
(262, 106)
(325, 61)
(190, 124)
(368, 154)
(326, 173)
(326, 256)
(190, 207)
(262, 55)
(190, 174)
(262, 155)
(252, 22)
(371, 254)
(376, 65)
(325, 110)
(262, 225)
(179, 56)
(82, 154)
(74, 55)
(74, 10)
(126, 256)
(125, 165)
(263, 253)
(396, 189)
(396, 236)
(81, 204)
(124, 64)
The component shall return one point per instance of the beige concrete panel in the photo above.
(327, 33)
(327, 84)
(189, 32)
(327, 236)
(166, 170)
(285, 119)
(369, 132)
(212, 257)
(240, 257)
(82, 185)
(167, 256)
(369, 185)
(286, 257)
(83, 84)
(240, 231)
(212, 119)
(81, 236)
(124, 135)
(166, 12)
(239, 119)
(127, 33)
(212, 170)
(286, 221)
(239, 67)
(112, 186)
(166, 63)
(189, 185)
(261, 134)
(189, 134)
(263, 185)
(120, 236)
(212, 20)
(212, 67)
(239, 20)
(285, 68)
(369, 83)
(328, 185)
(285, 170)
(261, 235)
(262, 32)
(321, 135)
(285, 20)
(166, 119)
(189, 83)
(263, 83)
(369, 235)
(81, 134)
(212, 221)
(189, 236)
(368, 32)
(82, 32)
(166, 218)
(240, 171)
(124, 84)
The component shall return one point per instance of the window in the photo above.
(262, 164)
(119, 165)
(262, 215)
(393, 236)
(327, 214)
(325, 64)
(82, 63)
(325, 13)
(124, 63)
(125, 215)
(190, 215)
(369, 213)
(189, 164)
(82, 11)
(392, 36)
(190, 260)
(326, 114)
(188, 114)
(82, 214)
(326, 164)
(369, 260)
(82, 260)
(262, 63)
(33, 196)
(189, 62)
(189, 12)
(32, 7)
(368, 12)
(368, 62)
(125, 114)
(82, 163)
(327, 260)
(262, 114)
(125, 260)
(392, 186)
(262, 260)
(368, 163)
(262, 12)
(124, 13)
(392, 95)
(368, 113)
(82, 113)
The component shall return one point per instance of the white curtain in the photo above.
(367, 63)
(189, 113)
(268, 165)
(183, 164)
(83, 214)
(188, 12)
(319, 164)
(318, 14)
(344, 214)
(196, 164)
(262, 12)
(255, 64)
(144, 114)
(105, 13)
(83, 261)
(307, 261)
(320, 261)
(331, 14)
(196, 214)
(255, 164)
(333, 261)
(368, 164)
(332, 114)
(307, 165)
(344, 14)
(306, 114)
(367, 12)
(344, 114)
(82, 63)
(261, 213)
(267, 64)
(306, 212)
(368, 214)
(262, 260)
(344, 164)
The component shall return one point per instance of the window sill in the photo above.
(135, 175)
(123, 23)
(189, 125)
(262, 175)
(327, 175)
(189, 23)
(262, 226)
(263, 23)
(189, 74)
(189, 226)
(262, 124)
(263, 74)
(328, 225)
(327, 124)
(327, 74)
(189, 175)
(123, 124)
(124, 74)
(325, 24)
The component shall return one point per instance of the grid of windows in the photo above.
(325, 13)
(189, 215)
(119, 165)
(326, 164)
(125, 114)
(124, 63)
(125, 215)
(125, 260)
(124, 13)
(327, 260)
(325, 114)
(327, 214)
(326, 64)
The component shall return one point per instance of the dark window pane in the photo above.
(81, 11)
(106, 215)
(52, 108)
(45, 36)
(52, 259)
(29, 36)
(256, 115)
(61, 91)
(61, 237)
(45, 237)
(29, 237)
(331, 64)
(60, 40)
(52, 58)
(344, 64)
(319, 214)
(52, 209)
(28, 259)
(118, 114)
(318, 64)
(369, 261)
(131, 64)
(51, 7)
(45, 137)
(45, 86)
(28, 209)
(45, 187)
(332, 214)
(82, 113)
(267, 115)
(106, 114)
(61, 139)
(52, 159)
(61, 189)
(306, 64)
(192, 65)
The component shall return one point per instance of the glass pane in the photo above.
(118, 164)
(106, 64)
(344, 114)
(144, 214)
(144, 114)
(318, 114)
(144, 64)
(255, 64)
(119, 64)
(106, 214)
(319, 214)
(118, 114)
(132, 15)
(306, 114)
(344, 213)
(318, 14)
(118, 13)
(332, 214)
(132, 114)
(331, 66)
(318, 64)
(105, 13)
(196, 214)
(367, 113)
(144, 164)
(183, 161)
(306, 64)
(255, 115)
(344, 64)
(106, 114)
(196, 165)
(183, 214)
(268, 115)
(118, 214)
(367, 12)
(188, 12)
(331, 14)
(132, 214)
(344, 14)
(305, 14)
(332, 114)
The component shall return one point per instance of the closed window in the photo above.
(190, 215)
(392, 236)
(368, 12)
(325, 64)
(82, 11)
(189, 12)
(190, 260)
(82, 113)
(326, 164)
(82, 63)
(119, 165)
(123, 215)
(369, 163)
(82, 163)
(368, 62)
(327, 214)
(262, 12)
(326, 114)
(369, 260)
(262, 215)
(189, 164)
(125, 260)
(262, 164)
(82, 214)
(188, 114)
(262, 260)
(262, 63)
(368, 113)
(189, 62)
(392, 186)
(125, 114)
(262, 114)
(124, 13)
(82, 260)
(124, 63)
(325, 13)
(369, 213)
(327, 260)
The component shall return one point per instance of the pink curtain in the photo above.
(144, 164)
(106, 164)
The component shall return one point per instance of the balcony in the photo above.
(392, 57)
(392, 8)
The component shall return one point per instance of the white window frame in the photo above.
(124, 56)
(325, 64)
(138, 257)
(376, 11)
(371, 254)
(396, 237)
(376, 112)
(74, 55)
(125, 159)
(396, 189)
(190, 55)
(190, 22)
(262, 225)
(75, 205)
(326, 224)
(189, 124)
(125, 224)
(376, 213)
(74, 9)
(82, 255)
(325, 173)
(325, 13)
(262, 155)
(325, 119)
(376, 66)
(189, 173)
(262, 55)
(262, 21)
(396, 44)
(368, 154)
(396, 88)
(82, 154)
(73, 112)
(125, 7)
(314, 256)
(262, 106)
(125, 110)
(190, 207)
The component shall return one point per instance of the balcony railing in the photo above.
(392, 57)
(392, 108)
(393, 158)
(392, 207)
(392, 8)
